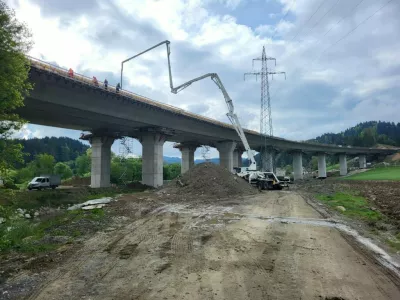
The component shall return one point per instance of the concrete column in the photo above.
(187, 157)
(343, 164)
(322, 165)
(101, 161)
(362, 159)
(152, 158)
(237, 158)
(267, 160)
(297, 165)
(225, 150)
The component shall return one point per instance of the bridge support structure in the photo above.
(267, 159)
(362, 159)
(225, 150)
(187, 151)
(343, 164)
(321, 165)
(101, 161)
(152, 158)
(237, 157)
(297, 165)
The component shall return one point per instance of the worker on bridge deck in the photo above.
(70, 73)
(105, 84)
(118, 88)
(95, 82)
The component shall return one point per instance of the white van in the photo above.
(44, 182)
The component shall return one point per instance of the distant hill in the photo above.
(62, 148)
(171, 160)
(366, 134)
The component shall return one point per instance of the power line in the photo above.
(354, 8)
(352, 30)
(329, 10)
(322, 2)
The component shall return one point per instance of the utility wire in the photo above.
(329, 10)
(352, 30)
(301, 29)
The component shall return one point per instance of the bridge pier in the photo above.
(362, 159)
(267, 159)
(297, 165)
(343, 164)
(237, 158)
(225, 150)
(152, 158)
(187, 152)
(321, 165)
(101, 161)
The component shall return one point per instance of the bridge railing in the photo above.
(40, 64)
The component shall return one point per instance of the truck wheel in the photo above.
(29, 188)
(39, 188)
(53, 187)
(260, 186)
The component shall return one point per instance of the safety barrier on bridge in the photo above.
(39, 64)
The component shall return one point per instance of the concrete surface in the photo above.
(101, 161)
(343, 164)
(321, 165)
(297, 165)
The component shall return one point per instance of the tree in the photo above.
(14, 85)
(43, 164)
(82, 164)
(63, 170)
(171, 171)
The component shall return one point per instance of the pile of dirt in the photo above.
(77, 181)
(211, 180)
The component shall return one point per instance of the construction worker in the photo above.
(95, 82)
(70, 73)
(105, 84)
(118, 87)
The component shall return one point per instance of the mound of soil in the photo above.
(77, 181)
(211, 180)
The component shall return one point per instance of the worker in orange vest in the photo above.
(70, 73)
(95, 82)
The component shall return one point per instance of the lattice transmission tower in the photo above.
(266, 128)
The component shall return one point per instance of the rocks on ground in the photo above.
(211, 180)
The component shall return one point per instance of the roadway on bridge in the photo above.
(227, 249)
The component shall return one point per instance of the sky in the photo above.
(340, 56)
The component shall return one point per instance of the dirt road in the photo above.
(226, 250)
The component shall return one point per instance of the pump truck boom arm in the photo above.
(214, 77)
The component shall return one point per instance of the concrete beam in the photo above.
(225, 150)
(187, 152)
(343, 164)
(321, 165)
(152, 158)
(362, 159)
(101, 161)
(297, 165)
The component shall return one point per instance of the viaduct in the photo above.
(74, 102)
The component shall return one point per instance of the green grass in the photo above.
(332, 167)
(356, 206)
(24, 235)
(388, 173)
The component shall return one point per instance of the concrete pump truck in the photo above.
(263, 180)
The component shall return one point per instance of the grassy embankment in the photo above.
(37, 234)
(356, 206)
(388, 173)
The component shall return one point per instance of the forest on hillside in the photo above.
(366, 134)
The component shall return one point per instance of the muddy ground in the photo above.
(271, 245)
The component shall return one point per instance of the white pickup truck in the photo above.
(44, 182)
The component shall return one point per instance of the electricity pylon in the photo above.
(266, 129)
